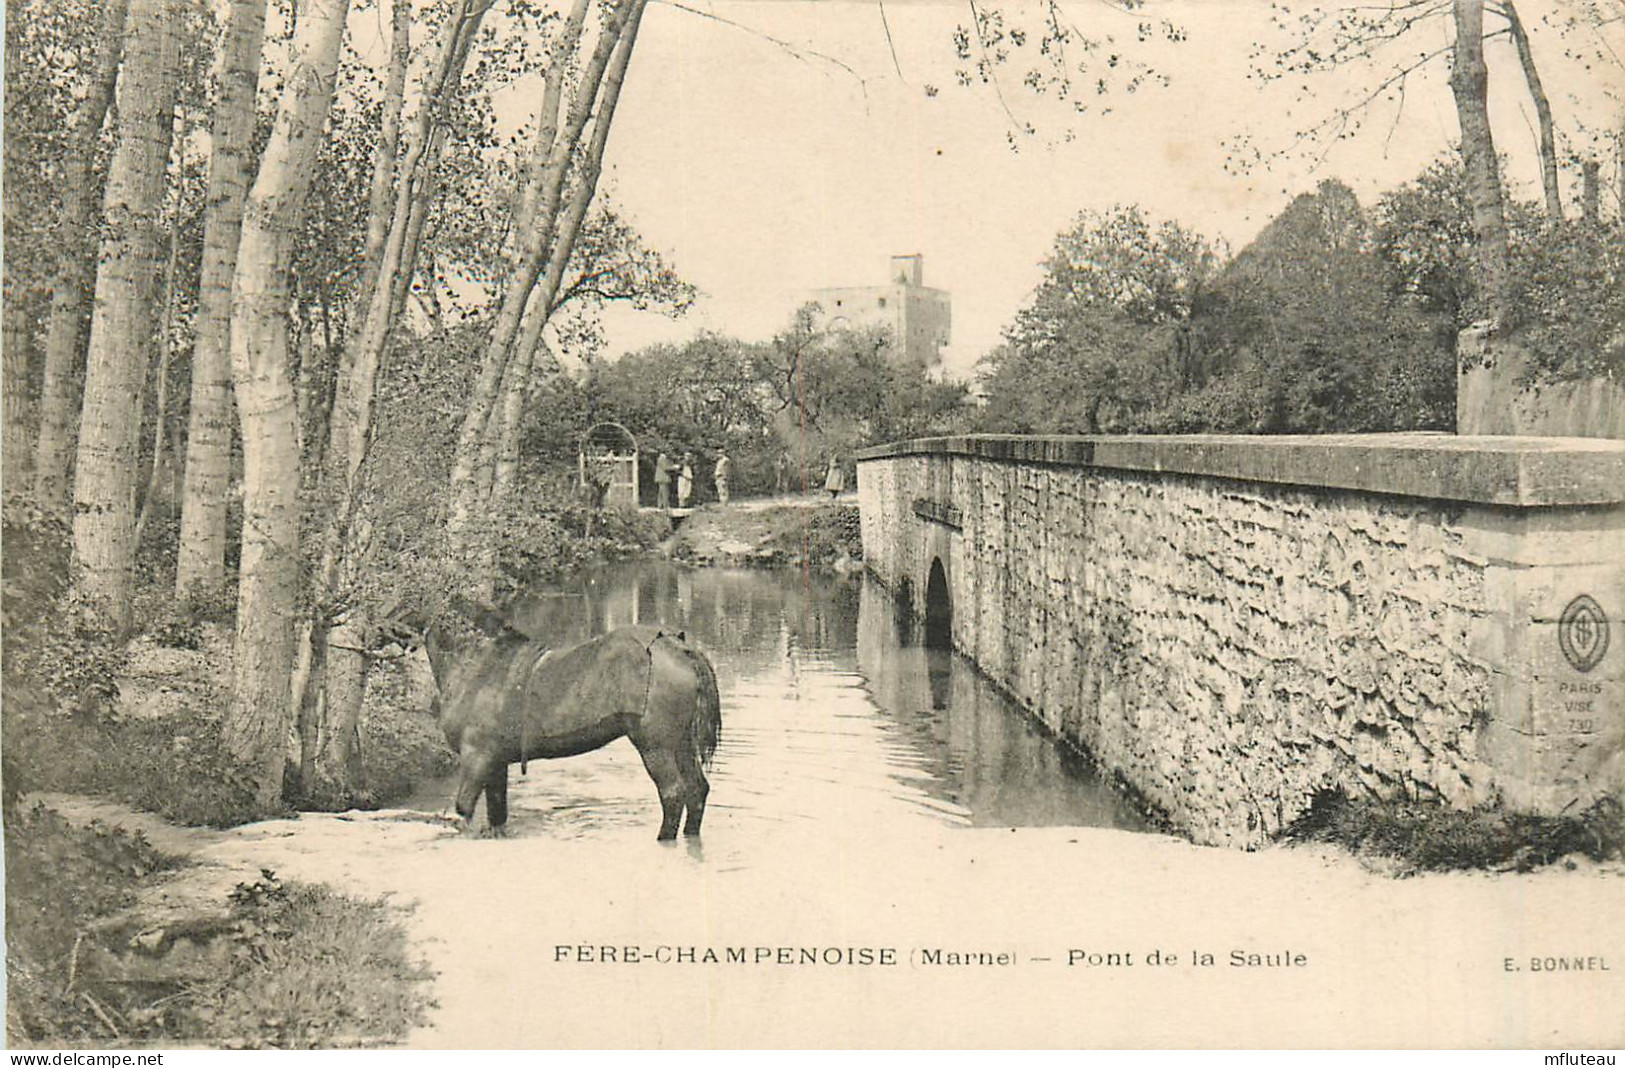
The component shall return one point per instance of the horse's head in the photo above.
(461, 626)
(439, 633)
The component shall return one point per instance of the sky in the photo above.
(783, 145)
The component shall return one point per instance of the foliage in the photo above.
(1569, 281)
(1107, 327)
(1310, 302)
(50, 57)
(1057, 59)
(809, 394)
(551, 530)
(292, 967)
(52, 650)
(838, 389)
(59, 880)
(176, 768)
(820, 536)
(310, 969)
(61, 728)
(1333, 319)
(1430, 836)
(402, 744)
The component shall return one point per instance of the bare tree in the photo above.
(550, 235)
(330, 702)
(1547, 139)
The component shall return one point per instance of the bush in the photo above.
(292, 967)
(59, 881)
(176, 768)
(1569, 286)
(1430, 836)
(401, 741)
(825, 534)
(50, 651)
(309, 969)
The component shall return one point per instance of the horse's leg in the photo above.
(695, 788)
(475, 768)
(661, 764)
(496, 798)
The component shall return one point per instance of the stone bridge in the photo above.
(1235, 623)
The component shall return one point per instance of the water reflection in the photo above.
(978, 750)
(834, 714)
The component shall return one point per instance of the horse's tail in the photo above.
(705, 729)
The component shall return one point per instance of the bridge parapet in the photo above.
(1234, 623)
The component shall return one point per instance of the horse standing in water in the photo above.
(506, 698)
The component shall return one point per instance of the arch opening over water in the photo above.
(939, 612)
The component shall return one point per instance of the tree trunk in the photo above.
(257, 723)
(160, 421)
(500, 455)
(351, 426)
(1469, 84)
(201, 562)
(325, 765)
(551, 238)
(338, 752)
(515, 396)
(309, 690)
(384, 152)
(535, 180)
(15, 328)
(1543, 112)
(544, 300)
(475, 440)
(124, 328)
(60, 391)
(18, 430)
(1591, 192)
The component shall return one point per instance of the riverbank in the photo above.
(790, 531)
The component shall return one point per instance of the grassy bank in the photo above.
(139, 722)
(157, 744)
(287, 967)
(1417, 836)
(819, 534)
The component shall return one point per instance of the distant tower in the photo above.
(917, 315)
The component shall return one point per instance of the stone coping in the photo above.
(1508, 471)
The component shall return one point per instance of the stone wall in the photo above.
(1233, 624)
(1492, 396)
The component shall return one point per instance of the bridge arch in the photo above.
(939, 609)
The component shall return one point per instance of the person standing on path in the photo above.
(781, 475)
(663, 481)
(685, 481)
(835, 477)
(722, 477)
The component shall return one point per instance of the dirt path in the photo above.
(516, 929)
